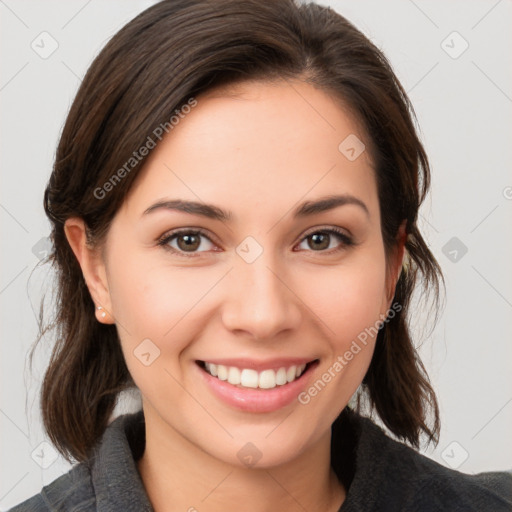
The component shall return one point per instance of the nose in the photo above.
(260, 300)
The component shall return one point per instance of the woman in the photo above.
(234, 205)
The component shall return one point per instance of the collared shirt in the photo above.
(381, 474)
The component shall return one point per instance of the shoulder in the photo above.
(390, 475)
(107, 481)
(424, 484)
(71, 491)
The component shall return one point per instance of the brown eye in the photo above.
(186, 242)
(189, 242)
(321, 240)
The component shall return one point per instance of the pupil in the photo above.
(317, 237)
(190, 241)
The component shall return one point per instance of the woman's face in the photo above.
(265, 287)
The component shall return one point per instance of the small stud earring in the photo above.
(103, 314)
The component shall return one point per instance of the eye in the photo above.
(187, 241)
(321, 239)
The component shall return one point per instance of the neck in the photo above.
(179, 476)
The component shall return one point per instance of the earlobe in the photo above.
(401, 254)
(93, 268)
(396, 263)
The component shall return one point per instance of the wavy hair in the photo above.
(178, 49)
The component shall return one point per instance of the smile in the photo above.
(250, 378)
(257, 386)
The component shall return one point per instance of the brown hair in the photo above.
(171, 52)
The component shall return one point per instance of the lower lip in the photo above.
(258, 400)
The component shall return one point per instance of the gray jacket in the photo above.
(380, 474)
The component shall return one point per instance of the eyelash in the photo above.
(168, 237)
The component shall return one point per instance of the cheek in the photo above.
(158, 302)
(158, 312)
(349, 304)
(348, 298)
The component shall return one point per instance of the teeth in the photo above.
(248, 378)
(234, 376)
(267, 379)
(222, 372)
(291, 373)
(281, 376)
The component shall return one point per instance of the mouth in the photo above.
(250, 378)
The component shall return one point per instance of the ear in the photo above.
(395, 262)
(93, 268)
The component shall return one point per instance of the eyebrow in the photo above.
(214, 212)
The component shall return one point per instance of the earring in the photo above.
(406, 263)
(103, 314)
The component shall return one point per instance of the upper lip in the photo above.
(260, 365)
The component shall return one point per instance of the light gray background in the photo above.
(464, 107)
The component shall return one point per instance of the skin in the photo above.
(258, 149)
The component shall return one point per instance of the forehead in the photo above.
(259, 144)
